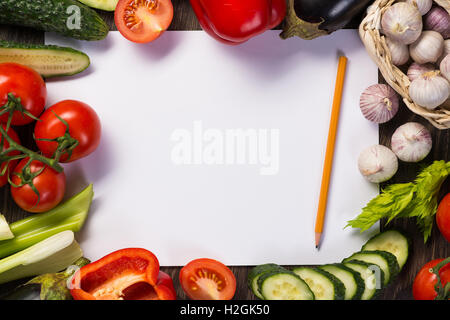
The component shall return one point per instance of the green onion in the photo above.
(48, 256)
(5, 231)
(67, 216)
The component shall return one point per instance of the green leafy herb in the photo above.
(417, 199)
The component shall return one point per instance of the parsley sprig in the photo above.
(417, 199)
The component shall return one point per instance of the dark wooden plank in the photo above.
(184, 19)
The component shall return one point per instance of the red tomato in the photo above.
(25, 84)
(84, 127)
(443, 217)
(143, 20)
(11, 165)
(207, 279)
(423, 286)
(50, 184)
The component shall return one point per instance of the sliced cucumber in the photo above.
(107, 5)
(284, 285)
(324, 285)
(392, 241)
(257, 272)
(385, 260)
(48, 60)
(372, 278)
(353, 283)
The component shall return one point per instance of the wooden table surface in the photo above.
(437, 246)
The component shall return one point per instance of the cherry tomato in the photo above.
(50, 184)
(143, 20)
(207, 279)
(443, 217)
(84, 127)
(423, 286)
(25, 84)
(11, 165)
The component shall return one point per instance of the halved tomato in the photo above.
(207, 279)
(143, 20)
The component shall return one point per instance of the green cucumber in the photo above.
(107, 5)
(372, 280)
(284, 285)
(353, 283)
(67, 17)
(324, 285)
(385, 260)
(392, 241)
(258, 271)
(48, 60)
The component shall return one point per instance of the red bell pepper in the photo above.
(235, 21)
(127, 274)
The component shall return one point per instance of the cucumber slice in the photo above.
(385, 260)
(48, 60)
(353, 283)
(392, 241)
(107, 5)
(257, 272)
(284, 285)
(372, 279)
(324, 285)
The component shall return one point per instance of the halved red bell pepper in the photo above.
(235, 21)
(127, 274)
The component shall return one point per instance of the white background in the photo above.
(143, 93)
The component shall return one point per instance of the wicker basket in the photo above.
(376, 46)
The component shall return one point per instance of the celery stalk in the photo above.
(67, 216)
(5, 231)
(48, 256)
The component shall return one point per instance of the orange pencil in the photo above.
(328, 164)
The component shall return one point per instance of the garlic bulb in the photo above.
(379, 103)
(411, 142)
(402, 22)
(377, 163)
(438, 19)
(422, 5)
(415, 70)
(430, 90)
(445, 67)
(428, 48)
(446, 50)
(399, 52)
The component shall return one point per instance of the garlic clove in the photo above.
(430, 90)
(445, 67)
(379, 103)
(415, 70)
(438, 19)
(427, 48)
(402, 22)
(411, 142)
(422, 5)
(446, 51)
(399, 52)
(377, 163)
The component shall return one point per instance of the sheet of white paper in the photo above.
(168, 175)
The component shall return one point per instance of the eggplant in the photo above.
(309, 19)
(50, 286)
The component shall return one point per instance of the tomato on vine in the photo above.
(36, 187)
(22, 94)
(68, 131)
(7, 166)
(426, 285)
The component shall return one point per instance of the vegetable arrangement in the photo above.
(360, 276)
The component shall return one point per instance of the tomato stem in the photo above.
(13, 146)
(14, 104)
